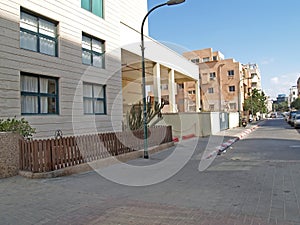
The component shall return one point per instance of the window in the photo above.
(39, 94)
(192, 92)
(210, 90)
(94, 6)
(215, 58)
(212, 75)
(232, 105)
(196, 60)
(94, 99)
(164, 87)
(206, 59)
(181, 86)
(38, 34)
(230, 72)
(231, 88)
(211, 107)
(93, 52)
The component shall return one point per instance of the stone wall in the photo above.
(9, 154)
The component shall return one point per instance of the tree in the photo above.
(256, 102)
(282, 106)
(296, 104)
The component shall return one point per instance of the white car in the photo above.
(297, 121)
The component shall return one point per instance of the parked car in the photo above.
(292, 120)
(290, 116)
(273, 115)
(285, 115)
(297, 121)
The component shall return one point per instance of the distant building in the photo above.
(254, 72)
(281, 98)
(224, 83)
(269, 104)
(293, 95)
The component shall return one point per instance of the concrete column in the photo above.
(172, 91)
(156, 83)
(198, 98)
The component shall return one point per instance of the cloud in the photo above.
(267, 61)
(275, 80)
(280, 84)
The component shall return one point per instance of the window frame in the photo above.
(231, 88)
(232, 106)
(205, 59)
(230, 73)
(91, 52)
(180, 86)
(37, 34)
(39, 94)
(212, 75)
(90, 9)
(210, 90)
(195, 60)
(95, 99)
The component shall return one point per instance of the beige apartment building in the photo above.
(75, 66)
(224, 83)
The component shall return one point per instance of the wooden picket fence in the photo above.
(52, 154)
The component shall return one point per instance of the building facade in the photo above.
(224, 83)
(62, 63)
(293, 95)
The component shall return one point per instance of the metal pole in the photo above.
(146, 154)
(220, 86)
(239, 99)
(170, 2)
(239, 102)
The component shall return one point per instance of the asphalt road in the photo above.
(257, 181)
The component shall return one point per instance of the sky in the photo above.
(266, 32)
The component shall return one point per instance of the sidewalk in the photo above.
(213, 197)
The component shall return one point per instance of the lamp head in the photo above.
(174, 2)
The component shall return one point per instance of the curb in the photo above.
(184, 137)
(222, 149)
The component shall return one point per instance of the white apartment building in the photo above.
(293, 95)
(64, 63)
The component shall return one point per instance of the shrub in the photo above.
(20, 126)
(135, 117)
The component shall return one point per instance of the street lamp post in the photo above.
(170, 2)
(220, 86)
(239, 101)
(239, 97)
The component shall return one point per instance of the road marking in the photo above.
(294, 146)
